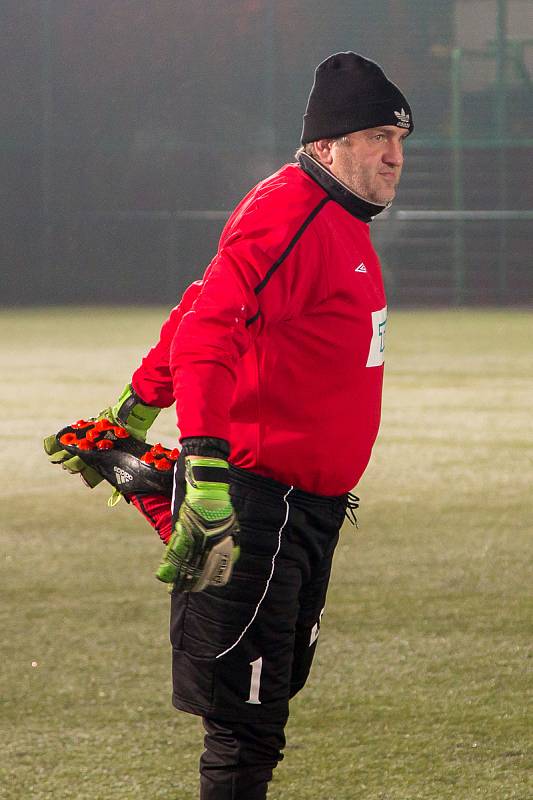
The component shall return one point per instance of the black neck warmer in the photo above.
(355, 205)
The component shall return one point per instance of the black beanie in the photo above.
(351, 93)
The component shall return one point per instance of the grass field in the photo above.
(423, 672)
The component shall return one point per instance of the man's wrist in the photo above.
(133, 412)
(207, 446)
(207, 486)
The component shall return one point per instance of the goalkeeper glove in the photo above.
(129, 412)
(204, 543)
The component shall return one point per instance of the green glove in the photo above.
(129, 412)
(204, 545)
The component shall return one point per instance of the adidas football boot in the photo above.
(130, 466)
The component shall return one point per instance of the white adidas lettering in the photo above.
(122, 476)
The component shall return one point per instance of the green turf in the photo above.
(423, 674)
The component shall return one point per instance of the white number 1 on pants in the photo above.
(256, 666)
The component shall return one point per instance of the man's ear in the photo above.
(323, 151)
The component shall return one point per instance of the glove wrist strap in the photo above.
(131, 411)
(203, 472)
(207, 486)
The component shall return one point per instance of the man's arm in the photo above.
(152, 380)
(205, 533)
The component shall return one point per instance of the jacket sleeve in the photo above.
(152, 380)
(246, 289)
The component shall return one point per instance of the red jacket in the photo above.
(279, 350)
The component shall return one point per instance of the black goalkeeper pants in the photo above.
(241, 651)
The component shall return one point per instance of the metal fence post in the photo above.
(457, 173)
(47, 145)
(501, 104)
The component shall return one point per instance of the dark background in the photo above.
(131, 127)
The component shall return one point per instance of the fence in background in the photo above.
(431, 257)
(116, 140)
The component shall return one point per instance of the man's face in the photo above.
(369, 162)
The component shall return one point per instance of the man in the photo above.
(275, 362)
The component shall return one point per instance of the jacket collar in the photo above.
(338, 191)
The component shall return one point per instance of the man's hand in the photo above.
(204, 543)
(129, 412)
(73, 464)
